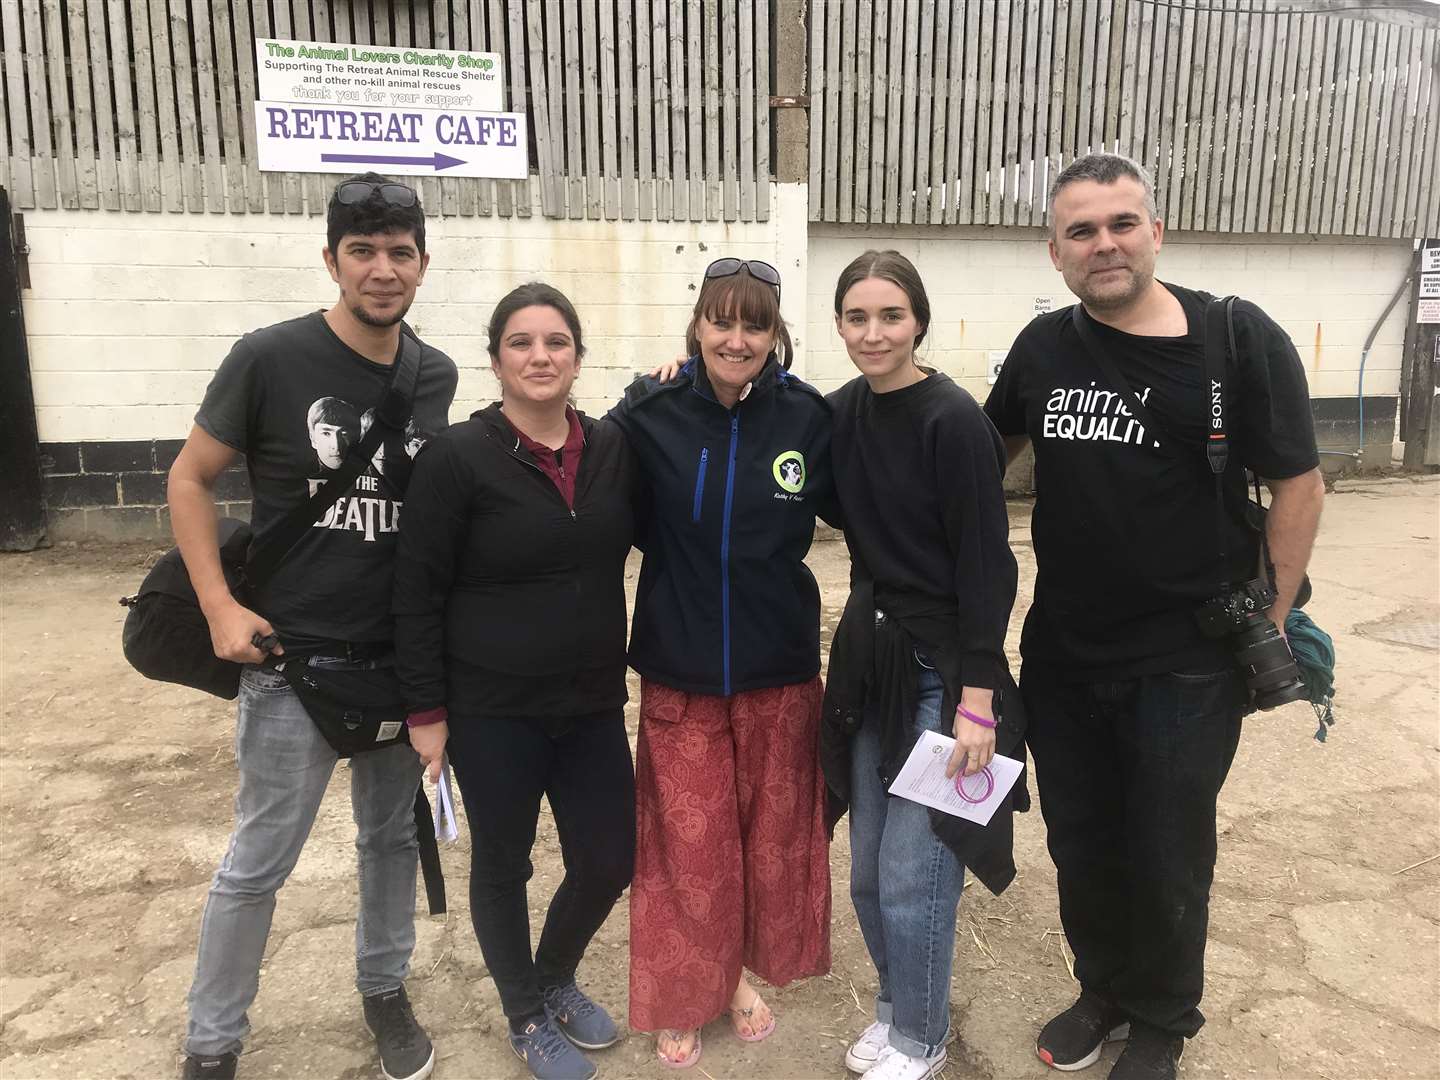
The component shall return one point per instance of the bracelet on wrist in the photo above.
(975, 718)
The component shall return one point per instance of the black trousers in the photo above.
(582, 765)
(1128, 774)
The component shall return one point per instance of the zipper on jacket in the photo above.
(700, 484)
(725, 546)
(560, 464)
(531, 465)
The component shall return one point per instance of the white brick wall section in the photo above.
(129, 314)
(1326, 293)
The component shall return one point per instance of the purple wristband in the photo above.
(974, 718)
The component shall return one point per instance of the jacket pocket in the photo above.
(700, 484)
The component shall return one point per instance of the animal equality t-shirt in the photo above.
(1126, 527)
(293, 398)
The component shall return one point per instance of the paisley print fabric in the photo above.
(732, 861)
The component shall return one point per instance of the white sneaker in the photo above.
(898, 1066)
(866, 1051)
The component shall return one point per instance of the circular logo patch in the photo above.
(789, 469)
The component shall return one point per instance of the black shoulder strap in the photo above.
(391, 414)
(1218, 318)
(1153, 427)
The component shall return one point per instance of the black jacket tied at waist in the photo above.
(872, 662)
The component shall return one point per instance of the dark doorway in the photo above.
(22, 508)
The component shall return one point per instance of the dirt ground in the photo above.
(115, 803)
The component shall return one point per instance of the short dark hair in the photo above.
(372, 216)
(747, 298)
(895, 268)
(1106, 169)
(532, 294)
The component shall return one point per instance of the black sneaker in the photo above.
(209, 1067)
(405, 1050)
(1151, 1054)
(1073, 1039)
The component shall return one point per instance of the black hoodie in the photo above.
(507, 602)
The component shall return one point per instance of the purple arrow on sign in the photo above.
(437, 161)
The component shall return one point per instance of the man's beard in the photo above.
(1113, 298)
(358, 310)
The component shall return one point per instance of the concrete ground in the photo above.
(115, 796)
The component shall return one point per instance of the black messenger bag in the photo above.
(166, 637)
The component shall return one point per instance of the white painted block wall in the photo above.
(1326, 293)
(129, 314)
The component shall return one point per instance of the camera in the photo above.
(1263, 655)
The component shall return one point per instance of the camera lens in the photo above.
(1264, 657)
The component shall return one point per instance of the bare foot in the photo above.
(676, 1046)
(749, 1015)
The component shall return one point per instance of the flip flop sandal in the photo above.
(684, 1063)
(749, 1016)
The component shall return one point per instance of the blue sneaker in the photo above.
(548, 1055)
(579, 1019)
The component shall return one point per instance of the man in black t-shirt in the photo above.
(289, 398)
(1134, 715)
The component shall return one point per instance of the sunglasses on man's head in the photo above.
(352, 192)
(760, 271)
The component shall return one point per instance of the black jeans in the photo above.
(1128, 774)
(582, 764)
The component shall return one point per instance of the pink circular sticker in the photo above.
(976, 787)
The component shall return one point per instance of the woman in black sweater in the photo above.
(510, 641)
(918, 470)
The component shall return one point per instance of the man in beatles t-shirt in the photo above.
(1133, 715)
(289, 398)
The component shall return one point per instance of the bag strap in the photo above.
(1266, 565)
(391, 415)
(1217, 445)
(430, 868)
(1153, 428)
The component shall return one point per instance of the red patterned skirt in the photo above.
(732, 862)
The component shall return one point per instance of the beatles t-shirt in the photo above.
(293, 398)
(1126, 531)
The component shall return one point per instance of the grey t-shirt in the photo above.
(293, 398)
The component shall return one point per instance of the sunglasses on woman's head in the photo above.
(352, 192)
(760, 271)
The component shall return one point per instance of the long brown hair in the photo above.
(744, 297)
(895, 268)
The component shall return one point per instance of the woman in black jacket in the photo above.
(510, 641)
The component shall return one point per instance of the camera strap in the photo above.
(1217, 439)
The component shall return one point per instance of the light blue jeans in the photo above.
(285, 765)
(905, 885)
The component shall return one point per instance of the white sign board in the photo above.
(377, 75)
(1430, 260)
(292, 137)
(1042, 305)
(996, 362)
(1430, 286)
(1427, 311)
